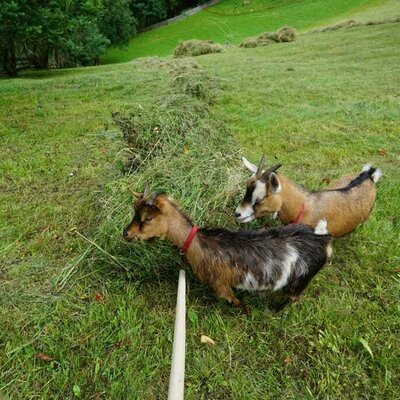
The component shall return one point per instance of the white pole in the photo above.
(177, 377)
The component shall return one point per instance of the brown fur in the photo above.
(165, 221)
(343, 211)
(341, 182)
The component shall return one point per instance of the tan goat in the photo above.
(344, 204)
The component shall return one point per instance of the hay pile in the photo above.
(282, 35)
(352, 24)
(340, 25)
(383, 21)
(194, 47)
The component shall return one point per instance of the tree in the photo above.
(71, 34)
(14, 29)
(65, 33)
(39, 32)
(117, 23)
(79, 40)
(148, 12)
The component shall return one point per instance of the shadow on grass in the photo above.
(51, 73)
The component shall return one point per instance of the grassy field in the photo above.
(230, 22)
(85, 315)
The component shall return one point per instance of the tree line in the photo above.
(67, 33)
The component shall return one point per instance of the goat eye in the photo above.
(148, 219)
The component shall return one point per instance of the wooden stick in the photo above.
(177, 377)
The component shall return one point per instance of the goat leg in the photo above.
(246, 309)
(295, 298)
(280, 305)
(226, 292)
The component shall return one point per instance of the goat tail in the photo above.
(321, 228)
(374, 173)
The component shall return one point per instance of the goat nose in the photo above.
(237, 214)
(125, 233)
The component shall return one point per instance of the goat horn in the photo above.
(152, 198)
(274, 168)
(260, 166)
(146, 189)
(138, 195)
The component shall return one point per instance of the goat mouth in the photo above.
(245, 219)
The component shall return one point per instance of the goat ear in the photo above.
(250, 166)
(260, 166)
(274, 183)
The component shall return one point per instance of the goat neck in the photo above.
(179, 228)
(293, 197)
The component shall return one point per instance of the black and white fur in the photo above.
(280, 258)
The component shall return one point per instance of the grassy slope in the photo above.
(335, 110)
(231, 21)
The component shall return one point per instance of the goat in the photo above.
(344, 204)
(279, 258)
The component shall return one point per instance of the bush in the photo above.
(194, 47)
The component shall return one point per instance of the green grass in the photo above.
(323, 105)
(231, 22)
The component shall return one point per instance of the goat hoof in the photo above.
(246, 309)
(236, 302)
(279, 306)
(295, 299)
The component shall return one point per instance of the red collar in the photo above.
(300, 214)
(189, 240)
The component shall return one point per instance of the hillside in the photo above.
(231, 21)
(83, 314)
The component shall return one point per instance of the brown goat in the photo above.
(344, 204)
(276, 259)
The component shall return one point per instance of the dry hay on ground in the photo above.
(282, 35)
(194, 47)
(352, 24)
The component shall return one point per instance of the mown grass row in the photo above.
(181, 151)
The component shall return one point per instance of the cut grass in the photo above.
(230, 22)
(196, 47)
(283, 35)
(323, 105)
